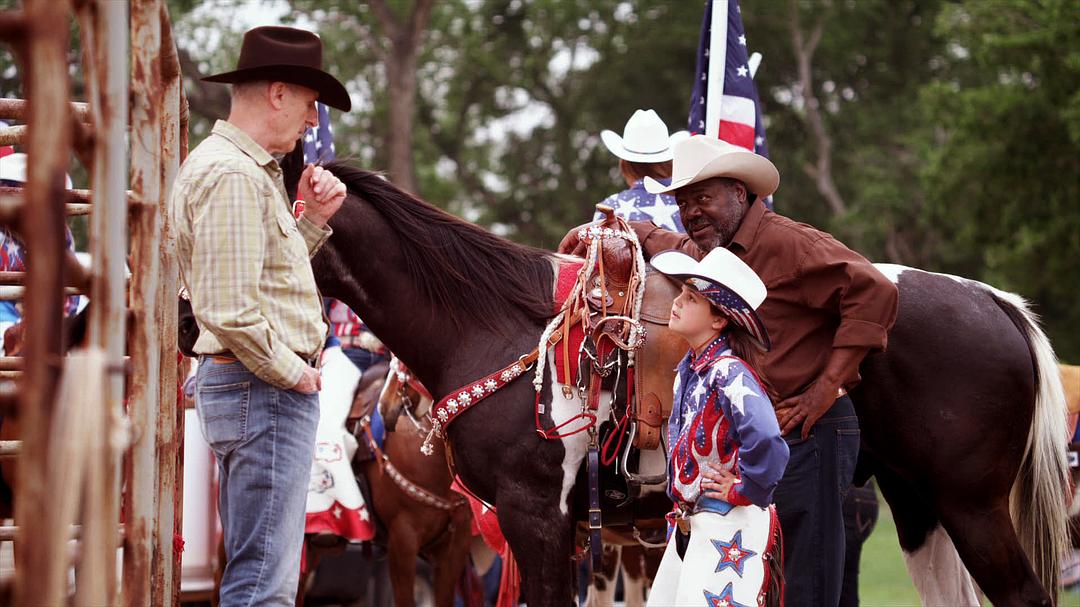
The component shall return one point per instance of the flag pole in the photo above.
(715, 90)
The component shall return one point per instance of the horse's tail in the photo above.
(1040, 492)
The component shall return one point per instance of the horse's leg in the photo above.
(633, 576)
(452, 556)
(540, 536)
(985, 538)
(932, 562)
(314, 555)
(403, 547)
(602, 589)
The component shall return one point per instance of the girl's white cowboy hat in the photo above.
(700, 157)
(726, 281)
(645, 139)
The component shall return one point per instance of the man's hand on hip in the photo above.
(322, 193)
(310, 382)
(806, 408)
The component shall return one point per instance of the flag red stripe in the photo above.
(738, 134)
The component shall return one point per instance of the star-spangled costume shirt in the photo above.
(636, 204)
(721, 415)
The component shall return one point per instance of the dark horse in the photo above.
(958, 414)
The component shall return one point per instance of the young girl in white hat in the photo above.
(722, 423)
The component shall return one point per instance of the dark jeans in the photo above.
(809, 502)
(860, 516)
(363, 358)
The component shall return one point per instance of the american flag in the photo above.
(319, 141)
(725, 102)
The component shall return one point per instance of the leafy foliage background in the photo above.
(951, 129)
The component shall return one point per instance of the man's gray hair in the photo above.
(248, 87)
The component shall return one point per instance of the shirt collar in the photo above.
(748, 229)
(245, 143)
(709, 355)
(640, 184)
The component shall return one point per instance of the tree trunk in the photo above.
(401, 73)
(399, 58)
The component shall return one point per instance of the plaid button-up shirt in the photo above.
(245, 259)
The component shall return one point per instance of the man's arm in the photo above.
(229, 243)
(653, 239)
(837, 278)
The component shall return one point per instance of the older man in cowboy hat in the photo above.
(245, 260)
(826, 309)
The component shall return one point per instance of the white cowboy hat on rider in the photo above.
(726, 281)
(645, 139)
(13, 168)
(700, 157)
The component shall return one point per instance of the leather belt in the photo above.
(228, 356)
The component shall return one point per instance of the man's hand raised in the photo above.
(322, 193)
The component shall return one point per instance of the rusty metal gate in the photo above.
(87, 444)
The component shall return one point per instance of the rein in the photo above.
(407, 487)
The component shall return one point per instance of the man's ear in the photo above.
(741, 192)
(277, 92)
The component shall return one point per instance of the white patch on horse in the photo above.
(893, 271)
(576, 446)
(938, 573)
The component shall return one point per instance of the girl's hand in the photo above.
(716, 482)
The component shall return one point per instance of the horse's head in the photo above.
(402, 392)
(368, 390)
(292, 166)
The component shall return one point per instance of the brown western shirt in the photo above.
(822, 295)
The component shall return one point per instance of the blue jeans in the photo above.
(264, 440)
(809, 502)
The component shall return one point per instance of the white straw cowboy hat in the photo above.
(726, 281)
(644, 139)
(701, 157)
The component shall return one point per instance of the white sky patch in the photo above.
(577, 57)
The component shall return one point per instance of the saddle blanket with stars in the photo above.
(723, 565)
(334, 502)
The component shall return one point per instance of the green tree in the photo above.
(1002, 170)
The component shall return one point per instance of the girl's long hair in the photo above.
(746, 347)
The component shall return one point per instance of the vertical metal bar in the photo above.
(146, 377)
(46, 83)
(168, 511)
(108, 247)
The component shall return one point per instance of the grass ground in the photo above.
(883, 578)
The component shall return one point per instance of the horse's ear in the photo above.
(292, 166)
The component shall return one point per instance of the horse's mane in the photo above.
(460, 267)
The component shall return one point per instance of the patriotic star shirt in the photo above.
(637, 204)
(721, 415)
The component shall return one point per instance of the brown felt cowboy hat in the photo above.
(286, 54)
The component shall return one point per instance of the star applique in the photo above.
(698, 394)
(732, 554)
(724, 599)
(661, 213)
(737, 391)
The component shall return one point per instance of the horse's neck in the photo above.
(362, 265)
